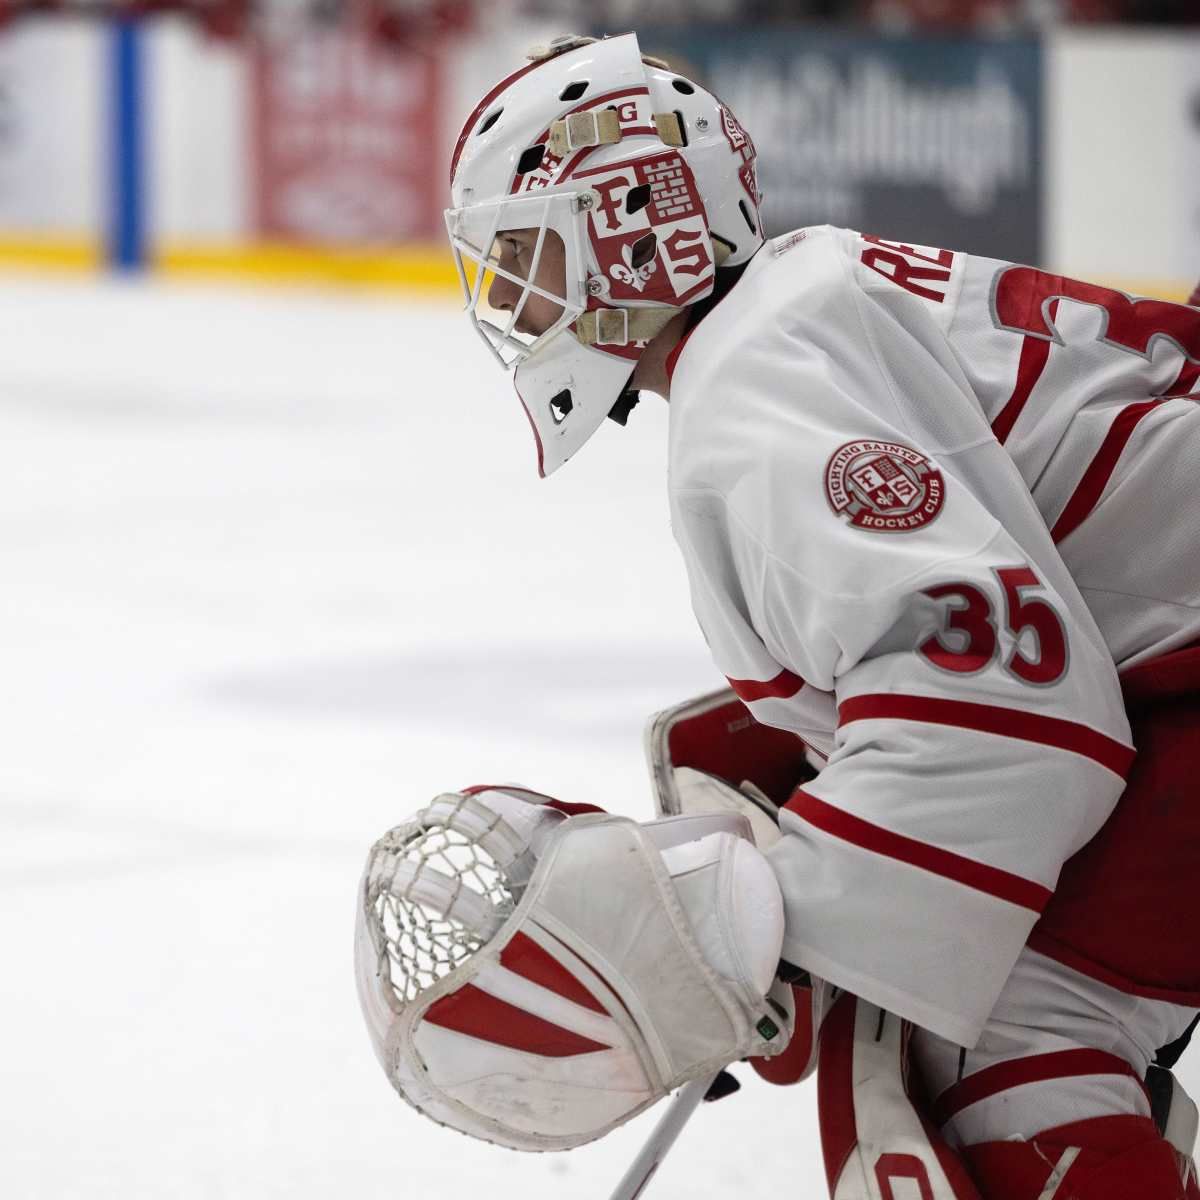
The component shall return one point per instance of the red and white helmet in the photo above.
(536, 979)
(650, 182)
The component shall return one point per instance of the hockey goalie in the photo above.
(937, 516)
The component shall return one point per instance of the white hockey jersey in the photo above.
(926, 501)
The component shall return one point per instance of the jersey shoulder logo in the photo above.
(886, 487)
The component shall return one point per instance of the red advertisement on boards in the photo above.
(345, 139)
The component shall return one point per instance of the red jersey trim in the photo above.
(1185, 381)
(1079, 739)
(1037, 1068)
(782, 687)
(1035, 352)
(481, 1015)
(992, 881)
(1099, 471)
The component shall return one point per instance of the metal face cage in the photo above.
(474, 231)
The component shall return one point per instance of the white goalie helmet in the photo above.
(650, 183)
(536, 979)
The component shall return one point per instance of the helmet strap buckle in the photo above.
(670, 129)
(596, 127)
(604, 327)
(620, 326)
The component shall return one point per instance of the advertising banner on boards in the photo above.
(341, 133)
(1189, 155)
(935, 141)
(52, 130)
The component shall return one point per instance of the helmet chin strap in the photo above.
(620, 326)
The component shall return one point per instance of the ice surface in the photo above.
(277, 568)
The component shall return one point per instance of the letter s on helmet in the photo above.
(650, 182)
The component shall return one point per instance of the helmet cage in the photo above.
(473, 231)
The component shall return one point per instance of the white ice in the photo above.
(276, 568)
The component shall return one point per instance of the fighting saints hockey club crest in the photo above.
(883, 486)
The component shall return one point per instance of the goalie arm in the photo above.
(709, 755)
(872, 1132)
(716, 735)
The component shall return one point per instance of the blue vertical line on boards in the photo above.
(127, 231)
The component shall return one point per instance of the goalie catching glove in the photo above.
(536, 979)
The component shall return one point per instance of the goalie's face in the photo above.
(519, 261)
(521, 267)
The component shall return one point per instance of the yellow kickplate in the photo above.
(422, 268)
(50, 253)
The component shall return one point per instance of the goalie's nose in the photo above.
(503, 293)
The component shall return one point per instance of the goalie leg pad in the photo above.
(874, 1138)
(1106, 1158)
(1052, 1104)
(1057, 1048)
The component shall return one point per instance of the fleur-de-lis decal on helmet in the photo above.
(635, 277)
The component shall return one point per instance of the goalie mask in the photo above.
(536, 980)
(640, 181)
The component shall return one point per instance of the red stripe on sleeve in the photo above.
(992, 881)
(481, 1015)
(1035, 351)
(526, 958)
(1091, 486)
(1114, 756)
(783, 687)
(1189, 375)
(1037, 1068)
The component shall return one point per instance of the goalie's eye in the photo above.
(507, 253)
(514, 246)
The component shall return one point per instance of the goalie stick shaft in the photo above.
(641, 1171)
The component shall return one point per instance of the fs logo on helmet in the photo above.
(883, 486)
